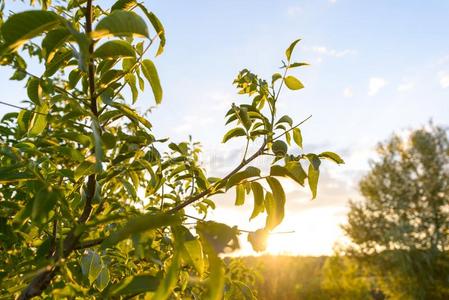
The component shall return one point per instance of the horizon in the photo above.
(359, 94)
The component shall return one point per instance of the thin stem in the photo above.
(206, 192)
(297, 125)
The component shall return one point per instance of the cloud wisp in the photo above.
(375, 85)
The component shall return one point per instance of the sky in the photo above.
(377, 67)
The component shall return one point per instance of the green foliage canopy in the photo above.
(91, 205)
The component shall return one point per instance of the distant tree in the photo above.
(401, 228)
(92, 202)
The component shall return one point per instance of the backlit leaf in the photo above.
(34, 90)
(21, 27)
(169, 280)
(240, 195)
(258, 199)
(289, 51)
(103, 278)
(43, 203)
(121, 23)
(115, 49)
(216, 280)
(140, 224)
(134, 285)
(297, 137)
(293, 83)
(258, 239)
(39, 121)
(123, 5)
(53, 40)
(234, 132)
(195, 251)
(150, 72)
(313, 176)
(158, 27)
(242, 175)
(91, 265)
(274, 203)
(332, 156)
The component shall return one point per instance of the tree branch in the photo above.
(206, 192)
(43, 279)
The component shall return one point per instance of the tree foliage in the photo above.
(91, 201)
(401, 229)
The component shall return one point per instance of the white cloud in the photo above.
(375, 85)
(444, 79)
(332, 52)
(347, 92)
(332, 1)
(405, 87)
(294, 10)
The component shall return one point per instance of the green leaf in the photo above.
(289, 51)
(43, 203)
(244, 117)
(158, 27)
(258, 199)
(240, 195)
(91, 265)
(74, 78)
(59, 60)
(195, 252)
(296, 64)
(297, 137)
(21, 27)
(10, 176)
(123, 5)
(131, 114)
(86, 168)
(150, 72)
(296, 172)
(134, 285)
(34, 90)
(218, 237)
(275, 77)
(140, 224)
(314, 160)
(332, 156)
(234, 132)
(39, 121)
(292, 169)
(169, 280)
(121, 23)
(285, 119)
(279, 148)
(54, 40)
(129, 188)
(115, 49)
(313, 176)
(274, 203)
(258, 239)
(293, 83)
(216, 282)
(103, 278)
(242, 175)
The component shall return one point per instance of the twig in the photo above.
(285, 132)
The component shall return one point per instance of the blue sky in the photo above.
(376, 67)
